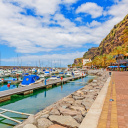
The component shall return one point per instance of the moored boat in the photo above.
(29, 80)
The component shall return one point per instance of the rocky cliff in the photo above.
(90, 53)
(78, 61)
(117, 37)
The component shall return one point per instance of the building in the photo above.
(86, 61)
(122, 59)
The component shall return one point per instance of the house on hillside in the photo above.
(84, 61)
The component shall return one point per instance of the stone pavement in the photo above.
(115, 113)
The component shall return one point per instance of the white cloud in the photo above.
(90, 8)
(79, 19)
(47, 59)
(28, 34)
(94, 23)
(41, 7)
(120, 9)
(69, 1)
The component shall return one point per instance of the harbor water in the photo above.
(5, 86)
(39, 100)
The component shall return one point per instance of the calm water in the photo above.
(3, 86)
(39, 100)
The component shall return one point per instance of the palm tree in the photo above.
(104, 57)
(110, 59)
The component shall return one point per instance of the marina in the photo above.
(6, 95)
(41, 97)
(63, 64)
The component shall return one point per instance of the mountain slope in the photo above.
(118, 36)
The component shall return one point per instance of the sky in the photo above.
(54, 32)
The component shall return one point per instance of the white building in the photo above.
(86, 61)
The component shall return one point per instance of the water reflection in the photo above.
(4, 87)
(39, 99)
(45, 93)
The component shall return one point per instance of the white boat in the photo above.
(54, 78)
(46, 73)
(19, 72)
(76, 73)
(7, 73)
(69, 74)
(2, 73)
(34, 70)
(41, 76)
(39, 71)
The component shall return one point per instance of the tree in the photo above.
(110, 59)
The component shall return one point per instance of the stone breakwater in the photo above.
(69, 111)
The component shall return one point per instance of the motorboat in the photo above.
(25, 74)
(2, 73)
(68, 74)
(19, 72)
(41, 76)
(34, 70)
(54, 78)
(46, 73)
(76, 73)
(29, 80)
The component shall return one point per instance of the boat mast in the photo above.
(0, 58)
(17, 61)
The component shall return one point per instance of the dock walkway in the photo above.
(110, 109)
(5, 95)
(116, 112)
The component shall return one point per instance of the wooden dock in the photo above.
(6, 95)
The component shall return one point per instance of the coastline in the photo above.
(70, 111)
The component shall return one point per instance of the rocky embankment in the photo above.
(69, 111)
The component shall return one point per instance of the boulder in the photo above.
(68, 112)
(70, 96)
(78, 118)
(63, 103)
(69, 100)
(78, 102)
(86, 104)
(31, 119)
(29, 126)
(80, 92)
(77, 108)
(54, 112)
(65, 121)
(44, 123)
(78, 98)
(56, 126)
(45, 116)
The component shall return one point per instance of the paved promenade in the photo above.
(115, 113)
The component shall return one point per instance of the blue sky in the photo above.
(54, 31)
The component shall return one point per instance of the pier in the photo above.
(6, 95)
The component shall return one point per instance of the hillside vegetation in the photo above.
(115, 42)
